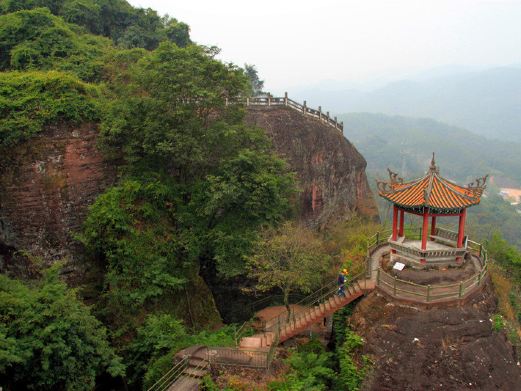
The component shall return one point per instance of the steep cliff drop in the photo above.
(330, 171)
(47, 186)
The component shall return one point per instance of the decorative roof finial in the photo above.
(433, 164)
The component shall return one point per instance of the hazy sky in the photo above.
(298, 43)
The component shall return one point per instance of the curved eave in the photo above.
(431, 208)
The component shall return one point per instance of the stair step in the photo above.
(196, 362)
(194, 372)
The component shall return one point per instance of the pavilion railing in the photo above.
(430, 254)
(399, 288)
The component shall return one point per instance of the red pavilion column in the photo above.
(402, 218)
(395, 223)
(433, 225)
(461, 229)
(425, 230)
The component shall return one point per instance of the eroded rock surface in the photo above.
(441, 348)
(331, 172)
(47, 185)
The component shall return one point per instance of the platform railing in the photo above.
(269, 100)
(428, 293)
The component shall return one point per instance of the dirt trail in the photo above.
(443, 348)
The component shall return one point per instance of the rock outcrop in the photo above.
(48, 182)
(331, 172)
(437, 348)
(47, 185)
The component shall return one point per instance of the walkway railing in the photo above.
(427, 293)
(170, 377)
(285, 101)
(320, 296)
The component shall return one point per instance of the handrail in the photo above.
(285, 101)
(310, 301)
(170, 377)
(428, 292)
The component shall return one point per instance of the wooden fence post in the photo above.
(226, 101)
(285, 99)
(269, 99)
(428, 293)
(304, 108)
(327, 115)
(394, 287)
(247, 101)
(320, 112)
(460, 290)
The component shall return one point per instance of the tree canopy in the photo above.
(49, 339)
(290, 258)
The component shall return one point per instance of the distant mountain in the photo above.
(405, 145)
(488, 102)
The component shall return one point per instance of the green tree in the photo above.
(310, 369)
(255, 82)
(49, 339)
(290, 257)
(132, 229)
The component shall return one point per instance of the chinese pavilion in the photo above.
(430, 197)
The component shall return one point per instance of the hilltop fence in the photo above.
(285, 101)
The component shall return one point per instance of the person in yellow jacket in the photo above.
(342, 277)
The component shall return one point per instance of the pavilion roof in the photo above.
(431, 191)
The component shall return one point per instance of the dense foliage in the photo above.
(31, 100)
(36, 39)
(125, 25)
(49, 339)
(158, 339)
(310, 369)
(132, 229)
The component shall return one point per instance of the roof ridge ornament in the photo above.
(433, 167)
(393, 177)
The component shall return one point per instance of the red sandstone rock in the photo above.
(47, 185)
(330, 170)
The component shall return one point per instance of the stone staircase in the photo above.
(191, 376)
(286, 326)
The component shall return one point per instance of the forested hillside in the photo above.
(131, 186)
(405, 145)
(193, 180)
(485, 101)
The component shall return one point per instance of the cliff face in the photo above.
(47, 185)
(331, 172)
(48, 182)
